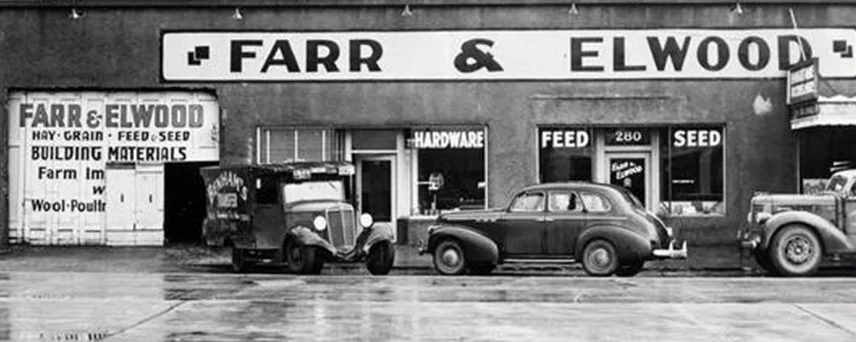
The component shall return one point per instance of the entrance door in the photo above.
(633, 172)
(376, 188)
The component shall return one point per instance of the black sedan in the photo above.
(603, 226)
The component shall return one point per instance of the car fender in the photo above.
(477, 247)
(628, 244)
(833, 239)
(378, 234)
(309, 237)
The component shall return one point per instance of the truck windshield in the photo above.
(315, 190)
(836, 184)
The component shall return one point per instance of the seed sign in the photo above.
(503, 55)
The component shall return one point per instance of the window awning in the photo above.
(837, 110)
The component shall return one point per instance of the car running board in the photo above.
(540, 261)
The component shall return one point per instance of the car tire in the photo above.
(629, 269)
(302, 259)
(381, 258)
(600, 258)
(762, 258)
(449, 258)
(482, 269)
(240, 262)
(796, 251)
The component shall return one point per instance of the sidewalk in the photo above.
(194, 258)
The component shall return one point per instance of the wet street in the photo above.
(48, 306)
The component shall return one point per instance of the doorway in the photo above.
(631, 170)
(184, 202)
(375, 193)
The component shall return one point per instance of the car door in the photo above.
(523, 226)
(565, 220)
(850, 212)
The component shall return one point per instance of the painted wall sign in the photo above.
(564, 138)
(63, 147)
(448, 139)
(802, 82)
(696, 138)
(502, 54)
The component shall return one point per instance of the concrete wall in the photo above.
(120, 49)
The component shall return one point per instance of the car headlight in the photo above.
(366, 220)
(319, 222)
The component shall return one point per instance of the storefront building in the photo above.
(441, 105)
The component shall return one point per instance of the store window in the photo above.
(824, 151)
(564, 154)
(283, 144)
(451, 168)
(692, 164)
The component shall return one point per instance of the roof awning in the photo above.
(827, 111)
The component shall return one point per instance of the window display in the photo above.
(564, 154)
(693, 170)
(451, 173)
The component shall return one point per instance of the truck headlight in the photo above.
(366, 220)
(319, 222)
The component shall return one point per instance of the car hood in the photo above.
(316, 206)
(467, 215)
(779, 199)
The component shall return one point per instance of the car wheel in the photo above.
(449, 258)
(381, 258)
(482, 269)
(630, 269)
(302, 259)
(762, 258)
(240, 263)
(600, 258)
(796, 251)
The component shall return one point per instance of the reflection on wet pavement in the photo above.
(261, 307)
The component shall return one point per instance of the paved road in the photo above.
(269, 307)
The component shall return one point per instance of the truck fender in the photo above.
(477, 247)
(629, 245)
(833, 239)
(309, 237)
(378, 234)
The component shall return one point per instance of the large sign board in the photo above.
(502, 54)
(63, 145)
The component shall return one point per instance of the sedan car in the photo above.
(603, 226)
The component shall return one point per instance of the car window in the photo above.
(530, 201)
(595, 203)
(564, 201)
(836, 183)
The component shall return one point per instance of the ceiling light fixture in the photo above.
(407, 12)
(75, 14)
(738, 9)
(573, 10)
(237, 15)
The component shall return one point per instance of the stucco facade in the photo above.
(119, 48)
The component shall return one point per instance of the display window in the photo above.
(450, 173)
(693, 165)
(565, 154)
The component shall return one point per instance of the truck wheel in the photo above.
(381, 258)
(449, 258)
(302, 259)
(600, 258)
(240, 263)
(629, 269)
(796, 251)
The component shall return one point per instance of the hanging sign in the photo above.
(503, 54)
(802, 82)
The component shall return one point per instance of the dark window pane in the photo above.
(693, 170)
(463, 179)
(565, 154)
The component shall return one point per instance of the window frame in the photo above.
(527, 193)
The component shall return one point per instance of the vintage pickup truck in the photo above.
(297, 213)
(790, 234)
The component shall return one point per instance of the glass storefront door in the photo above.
(631, 171)
(375, 187)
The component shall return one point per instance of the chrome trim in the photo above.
(671, 252)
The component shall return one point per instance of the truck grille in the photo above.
(341, 226)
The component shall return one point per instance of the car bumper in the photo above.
(672, 252)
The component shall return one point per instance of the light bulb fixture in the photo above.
(75, 14)
(407, 12)
(237, 15)
(738, 9)
(573, 10)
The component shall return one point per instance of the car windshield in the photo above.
(836, 184)
(315, 190)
